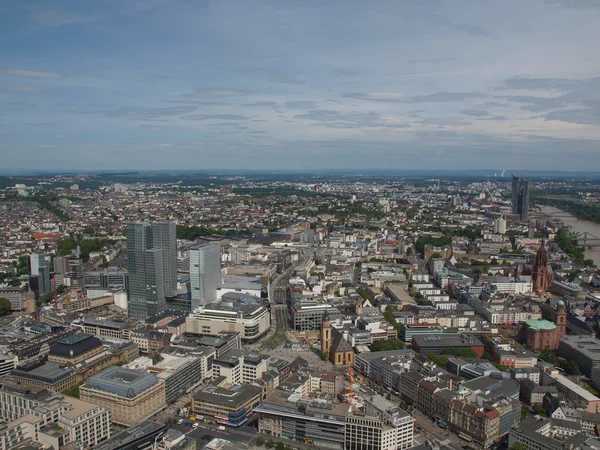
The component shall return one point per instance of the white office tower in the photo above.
(500, 225)
(205, 273)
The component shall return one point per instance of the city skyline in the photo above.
(262, 85)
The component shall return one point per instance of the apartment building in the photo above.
(50, 418)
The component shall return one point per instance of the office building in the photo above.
(16, 295)
(542, 434)
(164, 237)
(520, 198)
(146, 272)
(500, 225)
(130, 395)
(106, 279)
(585, 350)
(61, 265)
(205, 274)
(180, 373)
(437, 343)
(251, 321)
(313, 421)
(39, 269)
(226, 404)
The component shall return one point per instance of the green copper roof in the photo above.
(536, 325)
(561, 303)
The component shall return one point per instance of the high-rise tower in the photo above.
(164, 237)
(146, 247)
(520, 197)
(205, 273)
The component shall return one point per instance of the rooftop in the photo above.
(122, 381)
(539, 324)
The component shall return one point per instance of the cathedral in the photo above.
(542, 273)
(334, 347)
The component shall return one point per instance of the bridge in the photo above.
(588, 240)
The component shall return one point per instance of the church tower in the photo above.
(325, 336)
(540, 270)
(359, 307)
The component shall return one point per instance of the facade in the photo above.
(251, 321)
(585, 350)
(437, 343)
(16, 295)
(520, 198)
(226, 404)
(106, 279)
(164, 237)
(205, 274)
(309, 316)
(239, 366)
(315, 422)
(130, 395)
(80, 421)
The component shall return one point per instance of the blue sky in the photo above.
(282, 84)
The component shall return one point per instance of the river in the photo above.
(579, 226)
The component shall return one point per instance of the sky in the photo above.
(283, 84)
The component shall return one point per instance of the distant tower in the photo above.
(205, 274)
(325, 335)
(359, 307)
(540, 270)
(561, 318)
(520, 197)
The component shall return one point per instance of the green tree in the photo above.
(518, 446)
(260, 442)
(539, 410)
(548, 355)
(5, 307)
(270, 444)
(280, 446)
(524, 412)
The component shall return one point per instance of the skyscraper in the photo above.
(205, 273)
(150, 272)
(61, 265)
(39, 271)
(164, 237)
(520, 197)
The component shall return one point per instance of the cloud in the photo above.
(26, 73)
(402, 98)
(216, 93)
(141, 113)
(216, 117)
(273, 75)
(475, 112)
(589, 115)
(23, 89)
(336, 119)
(433, 60)
(575, 4)
(302, 104)
(446, 121)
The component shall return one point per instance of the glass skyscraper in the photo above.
(520, 197)
(151, 266)
(205, 273)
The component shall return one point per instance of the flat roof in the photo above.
(445, 340)
(588, 346)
